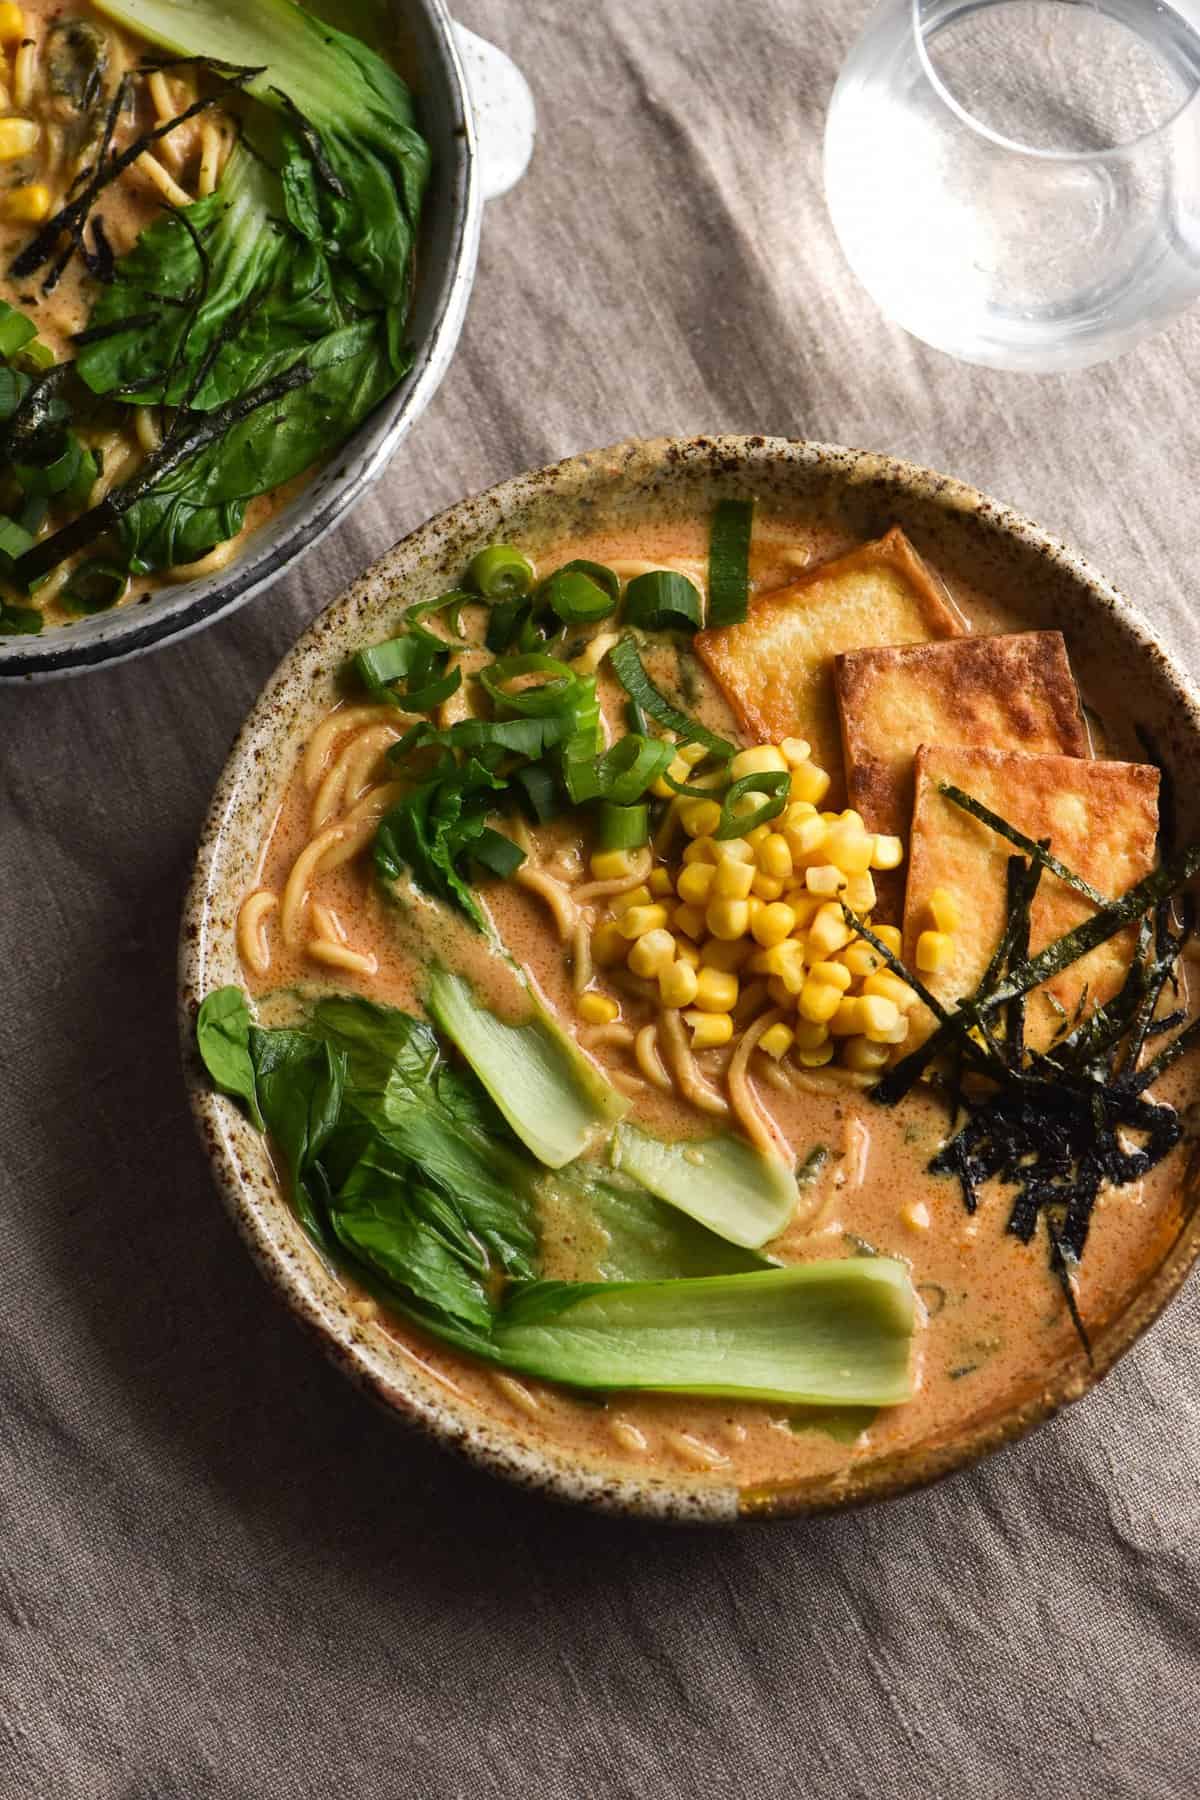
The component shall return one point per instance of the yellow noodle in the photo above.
(359, 825)
(682, 1065)
(830, 1079)
(339, 956)
(633, 1085)
(614, 1036)
(346, 718)
(5, 98)
(776, 1076)
(589, 660)
(211, 146)
(562, 907)
(645, 1050)
(363, 755)
(162, 179)
(119, 458)
(24, 75)
(621, 884)
(145, 423)
(328, 924)
(159, 89)
(219, 557)
(52, 155)
(252, 944)
(757, 1124)
(627, 1434)
(518, 1393)
(523, 838)
(748, 1003)
(303, 870)
(581, 957)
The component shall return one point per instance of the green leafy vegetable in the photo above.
(663, 601)
(223, 1039)
(723, 1182)
(728, 562)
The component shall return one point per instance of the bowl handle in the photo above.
(505, 119)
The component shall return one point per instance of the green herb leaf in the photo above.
(729, 562)
(223, 1040)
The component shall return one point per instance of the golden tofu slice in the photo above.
(1101, 819)
(776, 668)
(1010, 692)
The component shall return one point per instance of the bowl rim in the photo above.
(482, 1440)
(172, 614)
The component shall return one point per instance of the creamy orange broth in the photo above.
(992, 1320)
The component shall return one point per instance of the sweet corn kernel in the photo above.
(28, 205)
(689, 920)
(611, 865)
(806, 906)
(889, 936)
(608, 944)
(773, 924)
(795, 813)
(727, 919)
(776, 1041)
(638, 896)
(778, 992)
(732, 850)
(847, 1018)
(691, 754)
(897, 1034)
(860, 1054)
(653, 952)
(716, 990)
(806, 839)
(808, 783)
(687, 953)
(597, 1009)
(934, 950)
(678, 770)
(902, 997)
(753, 906)
(677, 984)
(815, 1059)
(732, 880)
(849, 846)
(694, 882)
(12, 24)
(879, 1015)
(729, 954)
(757, 838)
(762, 759)
(835, 973)
(915, 1214)
(774, 857)
(810, 1034)
(640, 919)
(888, 853)
(795, 751)
(947, 913)
(827, 933)
(743, 805)
(700, 818)
(859, 893)
(819, 1001)
(766, 887)
(824, 878)
(660, 883)
(783, 960)
(860, 959)
(17, 138)
(709, 1030)
(831, 818)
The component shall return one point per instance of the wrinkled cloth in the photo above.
(222, 1573)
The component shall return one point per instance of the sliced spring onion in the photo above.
(773, 783)
(622, 827)
(56, 475)
(628, 669)
(551, 696)
(539, 790)
(451, 604)
(95, 586)
(15, 540)
(622, 774)
(13, 388)
(729, 562)
(396, 658)
(663, 600)
(15, 330)
(424, 699)
(577, 598)
(501, 573)
(505, 623)
(600, 573)
(497, 853)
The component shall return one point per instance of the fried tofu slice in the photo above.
(1101, 819)
(1008, 692)
(776, 668)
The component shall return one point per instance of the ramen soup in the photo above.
(715, 1002)
(206, 242)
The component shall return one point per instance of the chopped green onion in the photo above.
(13, 388)
(451, 603)
(15, 330)
(603, 576)
(501, 573)
(14, 539)
(663, 601)
(774, 783)
(381, 664)
(424, 699)
(729, 562)
(95, 586)
(622, 774)
(552, 696)
(19, 621)
(55, 476)
(40, 355)
(538, 789)
(627, 667)
(32, 515)
(622, 827)
(576, 598)
(78, 490)
(497, 853)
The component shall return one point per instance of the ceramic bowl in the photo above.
(965, 535)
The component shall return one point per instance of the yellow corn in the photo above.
(757, 838)
(827, 933)
(809, 783)
(776, 1041)
(716, 990)
(754, 906)
(611, 865)
(831, 818)
(859, 893)
(810, 1034)
(732, 880)
(861, 1054)
(17, 138)
(888, 853)
(700, 818)
(889, 936)
(849, 846)
(947, 913)
(732, 850)
(694, 882)
(660, 883)
(597, 1009)
(638, 896)
(729, 954)
(608, 944)
(795, 813)
(29, 205)
(778, 992)
(773, 924)
(677, 984)
(915, 1214)
(774, 857)
(819, 1001)
(766, 887)
(678, 770)
(834, 973)
(687, 953)
(689, 920)
(879, 1016)
(806, 906)
(882, 981)
(652, 952)
(806, 839)
(897, 1033)
(824, 878)
(815, 1059)
(690, 754)
(12, 24)
(640, 919)
(700, 850)
(795, 751)
(762, 759)
(934, 950)
(727, 919)
(859, 958)
(709, 1030)
(846, 1019)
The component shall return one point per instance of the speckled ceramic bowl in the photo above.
(964, 534)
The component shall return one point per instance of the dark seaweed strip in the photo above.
(1058, 1261)
(1020, 899)
(1146, 1077)
(894, 964)
(95, 334)
(47, 238)
(1038, 850)
(326, 173)
(1158, 1026)
(90, 525)
(101, 261)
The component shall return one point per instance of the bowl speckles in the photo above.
(965, 535)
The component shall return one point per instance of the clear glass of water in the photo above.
(1017, 182)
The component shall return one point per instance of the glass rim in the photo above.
(1014, 146)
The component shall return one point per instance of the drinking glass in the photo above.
(1017, 182)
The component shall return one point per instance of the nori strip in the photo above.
(1038, 849)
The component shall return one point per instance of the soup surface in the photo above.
(994, 1313)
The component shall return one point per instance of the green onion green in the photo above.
(576, 598)
(500, 572)
(729, 562)
(627, 667)
(95, 586)
(622, 827)
(663, 601)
